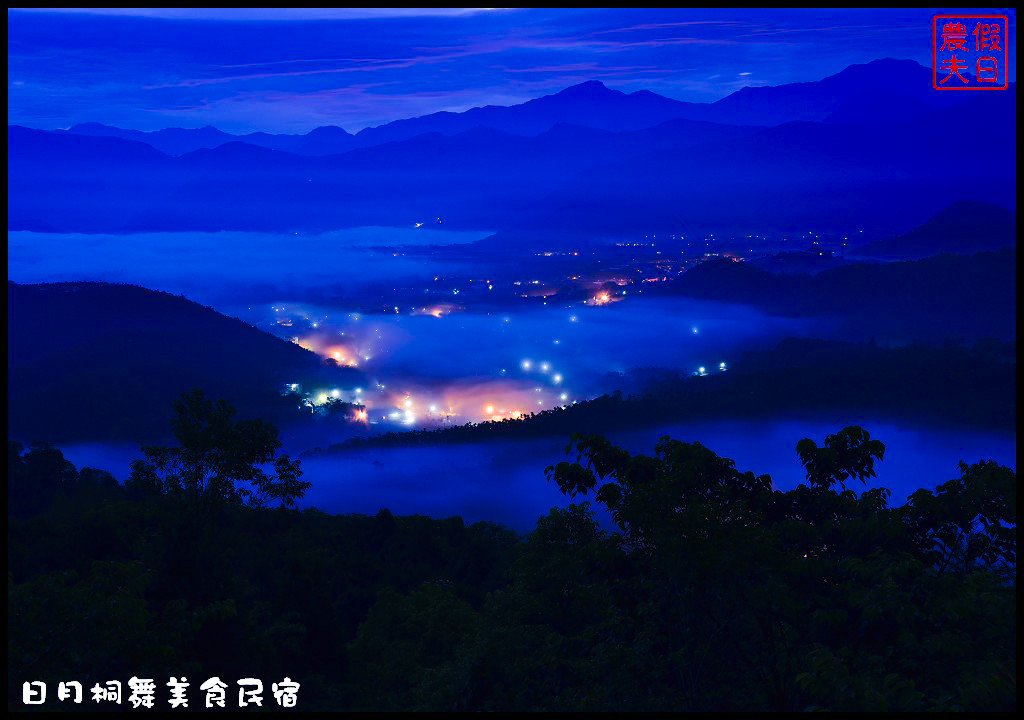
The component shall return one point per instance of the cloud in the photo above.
(271, 14)
(144, 68)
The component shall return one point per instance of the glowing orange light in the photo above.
(439, 310)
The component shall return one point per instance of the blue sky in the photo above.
(290, 70)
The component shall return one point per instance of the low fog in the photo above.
(471, 359)
(229, 268)
(504, 481)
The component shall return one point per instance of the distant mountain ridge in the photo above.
(482, 176)
(790, 177)
(836, 97)
(590, 104)
(840, 97)
(178, 141)
(588, 161)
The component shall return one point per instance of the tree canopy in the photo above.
(219, 460)
(688, 586)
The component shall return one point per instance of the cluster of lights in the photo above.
(404, 409)
(495, 415)
(704, 371)
(544, 367)
(343, 360)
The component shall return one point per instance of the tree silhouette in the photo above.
(715, 592)
(656, 497)
(968, 522)
(849, 453)
(219, 460)
(814, 598)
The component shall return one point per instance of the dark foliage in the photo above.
(714, 592)
(218, 460)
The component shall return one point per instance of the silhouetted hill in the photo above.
(172, 141)
(178, 141)
(101, 361)
(963, 228)
(83, 183)
(918, 295)
(590, 103)
(887, 86)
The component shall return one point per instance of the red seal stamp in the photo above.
(969, 52)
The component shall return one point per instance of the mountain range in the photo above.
(872, 146)
(849, 96)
